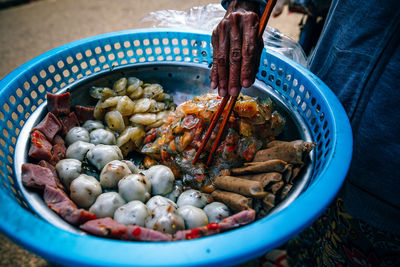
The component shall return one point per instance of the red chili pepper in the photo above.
(149, 138)
(194, 233)
(213, 226)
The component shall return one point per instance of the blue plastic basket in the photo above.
(23, 90)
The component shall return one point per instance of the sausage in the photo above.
(291, 152)
(239, 185)
(274, 165)
(264, 178)
(234, 201)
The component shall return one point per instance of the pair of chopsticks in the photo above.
(263, 23)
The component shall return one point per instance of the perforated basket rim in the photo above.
(67, 248)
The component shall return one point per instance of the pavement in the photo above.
(31, 29)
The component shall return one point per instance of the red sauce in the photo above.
(136, 232)
(194, 233)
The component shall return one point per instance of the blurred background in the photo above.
(29, 28)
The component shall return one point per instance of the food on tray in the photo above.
(80, 163)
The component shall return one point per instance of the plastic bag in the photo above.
(207, 18)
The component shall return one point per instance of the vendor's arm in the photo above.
(237, 49)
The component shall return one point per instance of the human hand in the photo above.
(237, 48)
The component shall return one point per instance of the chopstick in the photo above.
(232, 100)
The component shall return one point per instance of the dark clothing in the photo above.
(358, 57)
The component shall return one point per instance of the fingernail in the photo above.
(222, 92)
(213, 85)
(234, 91)
(246, 83)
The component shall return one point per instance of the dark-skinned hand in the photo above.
(237, 48)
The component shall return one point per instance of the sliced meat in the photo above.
(58, 140)
(69, 122)
(238, 219)
(49, 126)
(35, 176)
(46, 164)
(57, 200)
(58, 154)
(84, 113)
(78, 216)
(40, 147)
(274, 165)
(138, 233)
(210, 229)
(234, 201)
(105, 227)
(59, 104)
(239, 185)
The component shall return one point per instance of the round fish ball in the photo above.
(133, 212)
(193, 198)
(193, 216)
(165, 219)
(131, 166)
(102, 136)
(84, 190)
(216, 212)
(78, 150)
(68, 170)
(157, 201)
(91, 125)
(162, 179)
(77, 134)
(106, 204)
(175, 193)
(101, 154)
(113, 172)
(135, 187)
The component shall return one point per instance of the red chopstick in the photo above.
(263, 23)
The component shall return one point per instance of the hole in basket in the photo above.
(278, 82)
(316, 128)
(167, 50)
(176, 50)
(318, 108)
(66, 73)
(107, 48)
(157, 50)
(285, 87)
(78, 56)
(117, 45)
(195, 52)
(146, 42)
(271, 77)
(326, 134)
(165, 41)
(120, 54)
(319, 137)
(160, 58)
(273, 67)
(42, 73)
(33, 94)
(303, 106)
(301, 88)
(88, 53)
(12, 99)
(313, 121)
(203, 44)
(97, 50)
(325, 125)
(57, 77)
(19, 92)
(74, 68)
(84, 65)
(295, 82)
(194, 43)
(178, 58)
(6, 107)
(149, 51)
(14, 116)
(203, 53)
(127, 44)
(313, 101)
(129, 53)
(156, 41)
(265, 62)
(292, 93)
(139, 52)
(93, 62)
(5, 133)
(322, 116)
(174, 41)
(70, 60)
(280, 71)
(298, 100)
(263, 73)
(102, 59)
(34, 79)
(1, 116)
(60, 64)
(184, 41)
(327, 143)
(185, 51)
(110, 57)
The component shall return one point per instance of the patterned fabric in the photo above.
(338, 239)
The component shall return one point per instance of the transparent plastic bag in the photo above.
(207, 18)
